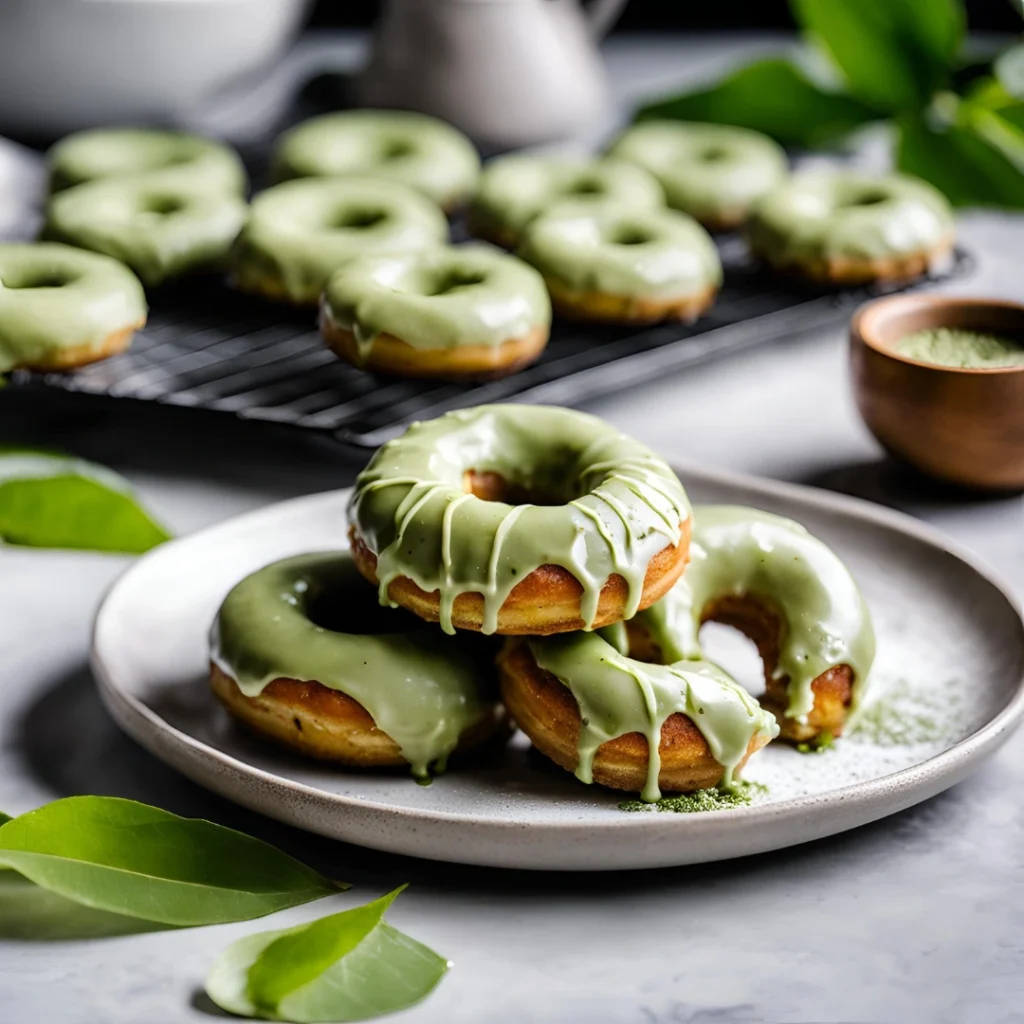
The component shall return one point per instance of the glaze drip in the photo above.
(619, 695)
(420, 687)
(622, 506)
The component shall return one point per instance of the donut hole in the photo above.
(29, 279)
(734, 651)
(584, 187)
(336, 611)
(452, 280)
(162, 205)
(712, 155)
(357, 219)
(396, 149)
(490, 486)
(869, 197)
(629, 234)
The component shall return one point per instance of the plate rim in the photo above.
(899, 789)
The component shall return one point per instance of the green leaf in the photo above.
(770, 96)
(4, 818)
(143, 862)
(894, 54)
(962, 162)
(348, 967)
(54, 501)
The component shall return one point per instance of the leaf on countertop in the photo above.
(347, 967)
(893, 54)
(772, 96)
(962, 162)
(128, 858)
(49, 500)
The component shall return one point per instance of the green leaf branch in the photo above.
(896, 61)
(50, 500)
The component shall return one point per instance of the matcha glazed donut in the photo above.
(515, 189)
(713, 172)
(159, 229)
(411, 149)
(301, 658)
(849, 228)
(519, 519)
(169, 159)
(299, 233)
(61, 308)
(790, 594)
(607, 264)
(466, 310)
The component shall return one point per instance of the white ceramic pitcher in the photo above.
(507, 72)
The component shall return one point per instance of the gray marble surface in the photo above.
(916, 919)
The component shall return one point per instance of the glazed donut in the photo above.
(515, 189)
(411, 149)
(607, 264)
(461, 311)
(168, 159)
(298, 656)
(629, 724)
(299, 233)
(519, 519)
(61, 308)
(849, 228)
(159, 230)
(791, 595)
(713, 172)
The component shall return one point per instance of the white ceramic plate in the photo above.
(951, 659)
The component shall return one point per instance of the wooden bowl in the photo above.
(964, 426)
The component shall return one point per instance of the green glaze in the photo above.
(54, 297)
(168, 159)
(622, 505)
(659, 255)
(970, 350)
(160, 230)
(438, 298)
(299, 233)
(711, 171)
(420, 687)
(387, 145)
(619, 695)
(736, 550)
(848, 214)
(515, 189)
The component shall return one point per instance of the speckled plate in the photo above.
(947, 690)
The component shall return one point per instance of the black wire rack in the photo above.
(206, 346)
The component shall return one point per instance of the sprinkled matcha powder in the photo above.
(742, 795)
(900, 716)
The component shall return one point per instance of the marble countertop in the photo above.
(919, 918)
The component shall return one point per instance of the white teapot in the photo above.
(507, 72)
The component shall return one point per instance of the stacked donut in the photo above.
(357, 223)
(577, 546)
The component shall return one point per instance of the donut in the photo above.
(713, 172)
(515, 189)
(620, 266)
(161, 230)
(847, 228)
(169, 159)
(628, 724)
(61, 308)
(299, 657)
(415, 150)
(791, 595)
(459, 311)
(518, 519)
(299, 233)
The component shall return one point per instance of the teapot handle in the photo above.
(602, 15)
